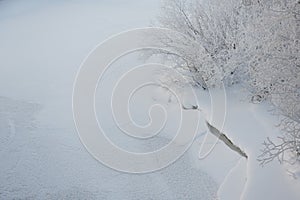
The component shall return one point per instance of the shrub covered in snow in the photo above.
(250, 42)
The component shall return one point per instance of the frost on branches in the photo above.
(207, 42)
(274, 72)
(253, 43)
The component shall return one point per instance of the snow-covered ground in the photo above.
(42, 44)
(248, 125)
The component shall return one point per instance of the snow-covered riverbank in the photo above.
(42, 44)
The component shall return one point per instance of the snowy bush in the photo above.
(287, 148)
(208, 42)
(272, 41)
(249, 42)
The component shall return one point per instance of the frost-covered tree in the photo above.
(249, 42)
(273, 70)
(208, 41)
(271, 46)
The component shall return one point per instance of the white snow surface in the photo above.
(248, 125)
(42, 44)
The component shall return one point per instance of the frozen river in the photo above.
(42, 46)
